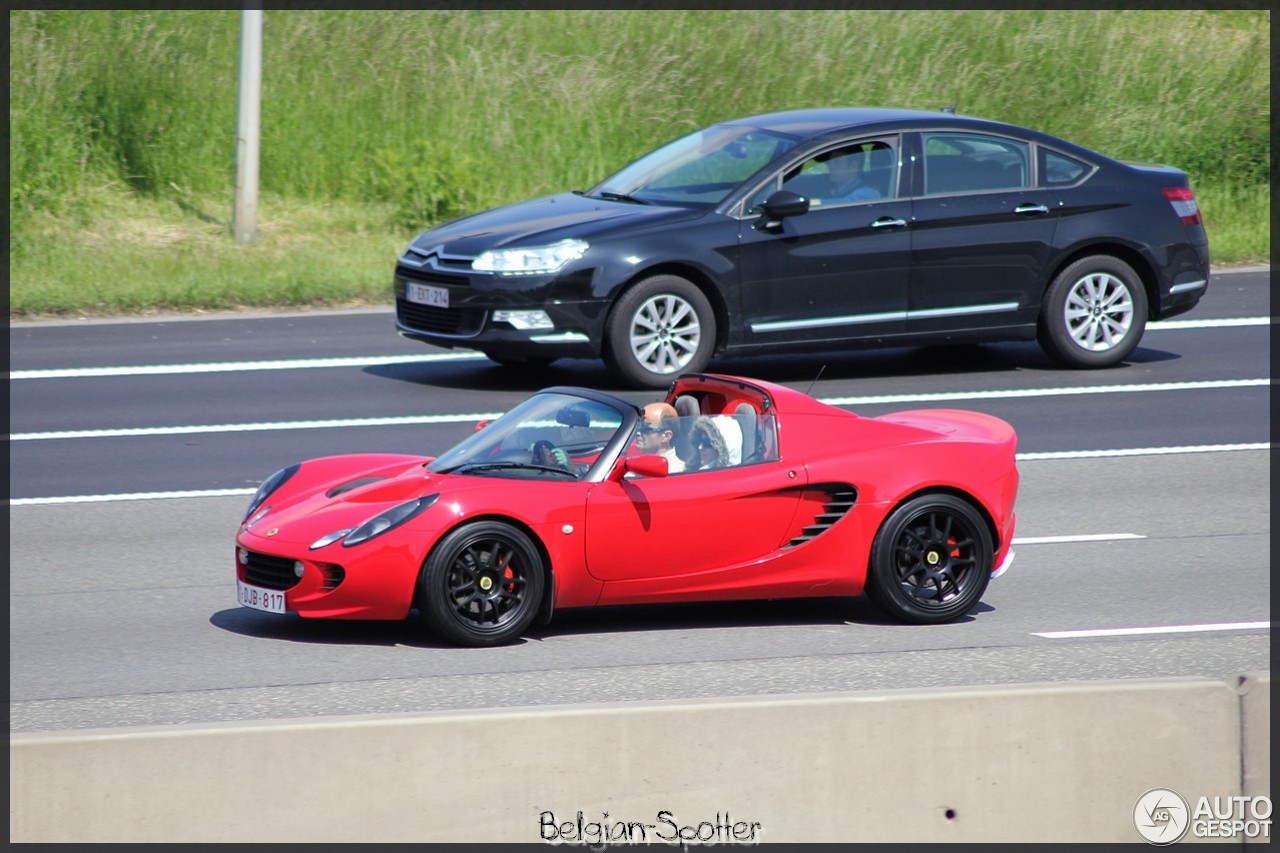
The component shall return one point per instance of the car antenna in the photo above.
(815, 380)
(951, 109)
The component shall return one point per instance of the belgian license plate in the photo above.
(266, 600)
(425, 294)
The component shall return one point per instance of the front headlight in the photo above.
(530, 259)
(268, 486)
(379, 524)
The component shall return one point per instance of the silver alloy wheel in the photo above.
(1098, 312)
(665, 333)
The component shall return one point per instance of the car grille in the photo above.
(459, 322)
(455, 322)
(416, 260)
(426, 277)
(270, 572)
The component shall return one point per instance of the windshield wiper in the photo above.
(612, 196)
(497, 466)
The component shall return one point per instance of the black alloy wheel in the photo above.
(931, 560)
(482, 584)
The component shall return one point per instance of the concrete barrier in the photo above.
(1255, 727)
(1046, 762)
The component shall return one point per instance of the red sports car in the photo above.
(554, 505)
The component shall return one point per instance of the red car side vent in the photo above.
(831, 501)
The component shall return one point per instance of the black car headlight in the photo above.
(269, 486)
(379, 524)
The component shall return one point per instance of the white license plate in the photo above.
(425, 294)
(267, 600)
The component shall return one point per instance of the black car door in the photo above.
(982, 233)
(836, 272)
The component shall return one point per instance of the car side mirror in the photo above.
(648, 465)
(785, 203)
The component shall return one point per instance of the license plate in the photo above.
(266, 600)
(425, 294)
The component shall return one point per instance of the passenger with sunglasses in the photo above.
(657, 434)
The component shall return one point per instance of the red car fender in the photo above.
(556, 526)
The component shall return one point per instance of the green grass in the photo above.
(135, 256)
(376, 124)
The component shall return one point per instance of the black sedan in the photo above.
(818, 229)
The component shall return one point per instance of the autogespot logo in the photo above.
(1161, 816)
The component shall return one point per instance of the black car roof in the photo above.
(817, 121)
(820, 121)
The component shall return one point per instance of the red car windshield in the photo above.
(548, 435)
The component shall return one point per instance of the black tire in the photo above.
(1094, 313)
(533, 362)
(661, 327)
(931, 560)
(482, 584)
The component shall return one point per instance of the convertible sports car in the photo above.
(797, 498)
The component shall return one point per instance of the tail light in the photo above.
(1184, 204)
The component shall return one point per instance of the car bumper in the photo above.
(1004, 564)
(1182, 290)
(568, 327)
(363, 587)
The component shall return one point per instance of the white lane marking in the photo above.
(1046, 392)
(375, 360)
(258, 427)
(464, 418)
(136, 496)
(1089, 537)
(1209, 324)
(1168, 629)
(213, 493)
(235, 366)
(1141, 451)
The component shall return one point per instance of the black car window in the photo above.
(862, 171)
(1058, 169)
(697, 170)
(726, 166)
(970, 162)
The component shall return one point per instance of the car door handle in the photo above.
(887, 222)
(1030, 208)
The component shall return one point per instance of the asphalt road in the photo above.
(1144, 512)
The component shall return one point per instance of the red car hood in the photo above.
(338, 492)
